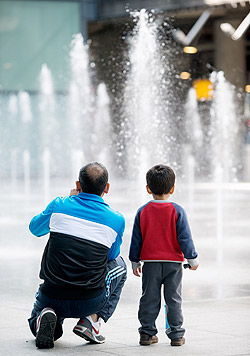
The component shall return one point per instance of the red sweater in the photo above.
(161, 233)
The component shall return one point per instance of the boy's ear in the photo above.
(148, 190)
(172, 189)
(78, 186)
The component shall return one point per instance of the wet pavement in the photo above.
(216, 297)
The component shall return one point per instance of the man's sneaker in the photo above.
(46, 324)
(146, 339)
(178, 342)
(89, 330)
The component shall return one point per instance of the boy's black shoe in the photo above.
(146, 339)
(46, 324)
(178, 341)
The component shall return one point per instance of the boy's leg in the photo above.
(39, 305)
(172, 294)
(115, 279)
(150, 302)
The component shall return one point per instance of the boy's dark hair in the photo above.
(93, 178)
(160, 179)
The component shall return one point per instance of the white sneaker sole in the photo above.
(86, 334)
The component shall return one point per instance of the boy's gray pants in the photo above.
(154, 275)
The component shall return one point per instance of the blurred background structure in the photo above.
(70, 88)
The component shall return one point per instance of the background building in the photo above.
(34, 33)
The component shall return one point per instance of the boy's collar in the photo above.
(159, 201)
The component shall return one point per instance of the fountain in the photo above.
(193, 128)
(194, 141)
(25, 106)
(46, 137)
(81, 128)
(13, 110)
(80, 109)
(145, 99)
(102, 133)
(224, 128)
(49, 124)
(46, 175)
(26, 119)
(44, 126)
(26, 165)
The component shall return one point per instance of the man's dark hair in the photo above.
(160, 179)
(93, 178)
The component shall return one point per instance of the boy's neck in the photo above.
(161, 197)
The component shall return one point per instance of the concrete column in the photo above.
(230, 55)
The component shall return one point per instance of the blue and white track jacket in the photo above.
(84, 234)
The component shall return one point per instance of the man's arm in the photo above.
(114, 250)
(39, 225)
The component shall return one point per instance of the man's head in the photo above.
(93, 179)
(160, 179)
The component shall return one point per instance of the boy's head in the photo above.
(160, 179)
(93, 178)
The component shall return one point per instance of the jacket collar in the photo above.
(93, 197)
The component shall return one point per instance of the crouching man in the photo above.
(82, 271)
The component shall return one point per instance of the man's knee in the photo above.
(120, 262)
(116, 264)
(116, 276)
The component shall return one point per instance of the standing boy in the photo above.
(161, 238)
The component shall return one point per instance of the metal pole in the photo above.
(242, 28)
(197, 26)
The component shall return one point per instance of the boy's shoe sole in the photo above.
(87, 334)
(178, 342)
(45, 333)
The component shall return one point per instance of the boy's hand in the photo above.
(194, 268)
(74, 192)
(137, 272)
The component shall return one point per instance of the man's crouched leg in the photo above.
(46, 324)
(115, 279)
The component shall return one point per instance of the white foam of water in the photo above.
(25, 106)
(224, 128)
(143, 96)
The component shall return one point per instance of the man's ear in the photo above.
(78, 186)
(106, 190)
(172, 189)
(148, 189)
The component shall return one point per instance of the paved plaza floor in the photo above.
(216, 297)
